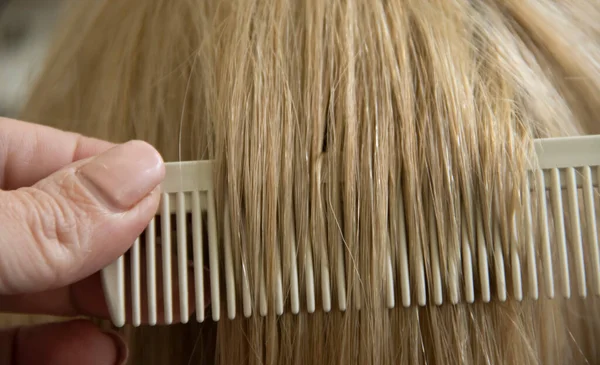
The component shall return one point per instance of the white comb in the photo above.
(569, 172)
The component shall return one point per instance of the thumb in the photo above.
(77, 220)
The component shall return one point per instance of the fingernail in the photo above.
(122, 350)
(124, 175)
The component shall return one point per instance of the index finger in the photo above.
(30, 152)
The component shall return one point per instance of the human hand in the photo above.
(69, 205)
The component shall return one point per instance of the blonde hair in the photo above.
(322, 118)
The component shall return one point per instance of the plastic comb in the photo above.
(566, 178)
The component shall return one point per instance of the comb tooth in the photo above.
(435, 260)
(421, 289)
(166, 258)
(467, 263)
(453, 257)
(469, 234)
(588, 191)
(403, 265)
(325, 285)
(182, 257)
(151, 271)
(295, 295)
(246, 296)
(516, 261)
(543, 221)
(557, 210)
(246, 293)
(357, 288)
(263, 307)
(341, 280)
(482, 259)
(573, 200)
(310, 281)
(213, 257)
(198, 255)
(391, 297)
(113, 283)
(278, 284)
(121, 288)
(516, 272)
(453, 281)
(499, 264)
(136, 309)
(229, 275)
(531, 257)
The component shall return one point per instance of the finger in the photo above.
(82, 298)
(78, 220)
(62, 343)
(30, 152)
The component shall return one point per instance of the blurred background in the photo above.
(26, 28)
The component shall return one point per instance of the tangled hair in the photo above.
(333, 125)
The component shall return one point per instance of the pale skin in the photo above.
(69, 205)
